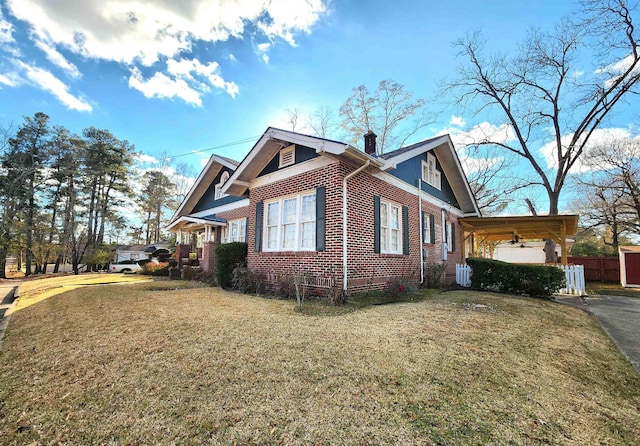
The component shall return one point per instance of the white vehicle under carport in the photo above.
(126, 266)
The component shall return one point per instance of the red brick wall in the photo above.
(367, 270)
(208, 260)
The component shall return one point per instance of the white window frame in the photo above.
(218, 189)
(426, 230)
(240, 225)
(389, 233)
(279, 226)
(430, 173)
(287, 156)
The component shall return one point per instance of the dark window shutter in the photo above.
(405, 230)
(423, 222)
(376, 224)
(432, 226)
(246, 230)
(321, 224)
(258, 236)
(453, 237)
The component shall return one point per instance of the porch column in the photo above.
(208, 260)
(182, 254)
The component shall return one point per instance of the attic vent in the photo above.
(287, 156)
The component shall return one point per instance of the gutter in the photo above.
(344, 222)
(421, 231)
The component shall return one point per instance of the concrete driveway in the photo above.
(620, 318)
(7, 298)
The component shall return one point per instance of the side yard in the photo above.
(150, 363)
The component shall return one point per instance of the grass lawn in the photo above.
(150, 364)
(611, 289)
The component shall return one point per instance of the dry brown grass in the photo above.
(134, 364)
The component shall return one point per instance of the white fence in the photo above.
(463, 275)
(574, 275)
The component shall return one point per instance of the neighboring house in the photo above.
(346, 217)
(138, 252)
(525, 251)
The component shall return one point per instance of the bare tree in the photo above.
(546, 95)
(552, 101)
(293, 116)
(609, 189)
(323, 122)
(387, 111)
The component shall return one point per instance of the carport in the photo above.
(480, 234)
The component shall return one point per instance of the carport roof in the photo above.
(525, 227)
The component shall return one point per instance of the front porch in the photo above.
(197, 239)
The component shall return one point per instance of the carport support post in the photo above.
(563, 244)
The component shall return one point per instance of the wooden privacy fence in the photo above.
(599, 269)
(574, 275)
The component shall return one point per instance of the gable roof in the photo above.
(202, 183)
(272, 141)
(446, 153)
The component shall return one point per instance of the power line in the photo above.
(229, 144)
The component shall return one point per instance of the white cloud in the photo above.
(58, 59)
(140, 34)
(6, 80)
(161, 86)
(457, 121)
(143, 158)
(184, 68)
(614, 70)
(48, 82)
(265, 58)
(598, 138)
(483, 132)
(6, 30)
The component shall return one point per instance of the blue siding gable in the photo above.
(302, 154)
(411, 170)
(208, 200)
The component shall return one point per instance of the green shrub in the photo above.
(228, 256)
(155, 269)
(532, 280)
(398, 287)
(247, 280)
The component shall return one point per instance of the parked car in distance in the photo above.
(127, 266)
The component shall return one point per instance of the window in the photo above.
(236, 231)
(390, 228)
(290, 223)
(223, 179)
(426, 228)
(287, 156)
(430, 173)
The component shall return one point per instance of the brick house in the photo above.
(347, 217)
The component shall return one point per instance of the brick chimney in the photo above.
(370, 143)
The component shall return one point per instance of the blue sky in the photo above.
(180, 76)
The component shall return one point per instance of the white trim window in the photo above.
(290, 223)
(287, 156)
(223, 179)
(430, 173)
(236, 231)
(390, 228)
(426, 228)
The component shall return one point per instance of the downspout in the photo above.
(421, 232)
(344, 222)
